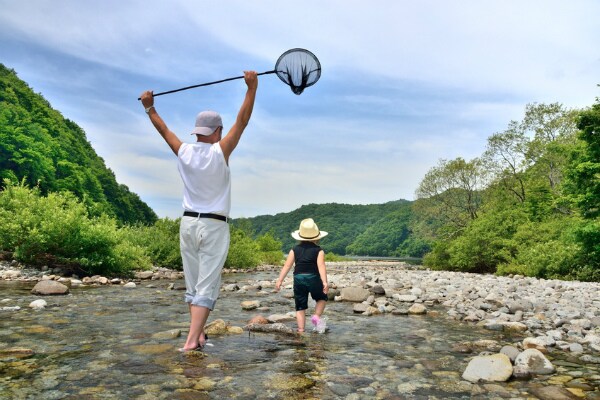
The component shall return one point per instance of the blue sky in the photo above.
(403, 85)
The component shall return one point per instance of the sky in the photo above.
(403, 85)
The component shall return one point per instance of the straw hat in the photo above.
(308, 231)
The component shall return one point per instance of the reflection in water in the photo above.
(110, 342)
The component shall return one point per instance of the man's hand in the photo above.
(147, 99)
(251, 79)
(277, 285)
(325, 287)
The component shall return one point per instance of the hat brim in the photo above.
(296, 235)
(202, 130)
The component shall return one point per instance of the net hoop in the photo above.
(298, 68)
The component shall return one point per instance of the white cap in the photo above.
(207, 122)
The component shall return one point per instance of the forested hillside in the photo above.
(42, 148)
(374, 229)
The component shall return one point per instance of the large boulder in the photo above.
(48, 288)
(493, 368)
(532, 362)
(355, 294)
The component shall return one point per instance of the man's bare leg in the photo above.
(198, 316)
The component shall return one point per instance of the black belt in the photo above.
(205, 215)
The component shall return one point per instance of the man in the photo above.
(204, 232)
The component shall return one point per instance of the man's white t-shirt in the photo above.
(206, 178)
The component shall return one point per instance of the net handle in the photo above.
(207, 84)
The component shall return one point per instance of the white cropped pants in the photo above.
(204, 243)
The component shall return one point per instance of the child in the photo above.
(310, 275)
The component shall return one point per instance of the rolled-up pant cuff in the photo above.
(200, 301)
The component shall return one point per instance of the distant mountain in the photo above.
(42, 148)
(374, 229)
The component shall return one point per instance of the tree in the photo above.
(584, 185)
(506, 159)
(452, 193)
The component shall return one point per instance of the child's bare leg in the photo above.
(301, 319)
(320, 307)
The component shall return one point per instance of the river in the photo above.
(110, 342)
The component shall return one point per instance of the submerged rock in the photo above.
(38, 304)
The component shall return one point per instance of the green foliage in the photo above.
(243, 251)
(160, 241)
(332, 257)
(269, 249)
(56, 229)
(43, 149)
(486, 242)
(544, 250)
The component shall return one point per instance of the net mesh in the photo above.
(298, 68)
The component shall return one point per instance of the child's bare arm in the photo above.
(322, 271)
(284, 271)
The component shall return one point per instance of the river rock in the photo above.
(492, 368)
(417, 309)
(354, 294)
(511, 351)
(552, 393)
(235, 330)
(17, 352)
(232, 287)
(513, 326)
(360, 308)
(250, 305)
(280, 318)
(171, 334)
(532, 361)
(519, 305)
(129, 285)
(11, 274)
(270, 328)
(408, 298)
(290, 383)
(38, 304)
(378, 290)
(144, 274)
(216, 327)
(50, 288)
(535, 343)
(258, 319)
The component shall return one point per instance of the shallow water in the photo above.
(97, 343)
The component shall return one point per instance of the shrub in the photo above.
(161, 242)
(243, 251)
(57, 230)
(269, 249)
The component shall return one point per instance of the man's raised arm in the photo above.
(231, 140)
(172, 140)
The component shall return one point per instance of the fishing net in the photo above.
(298, 68)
